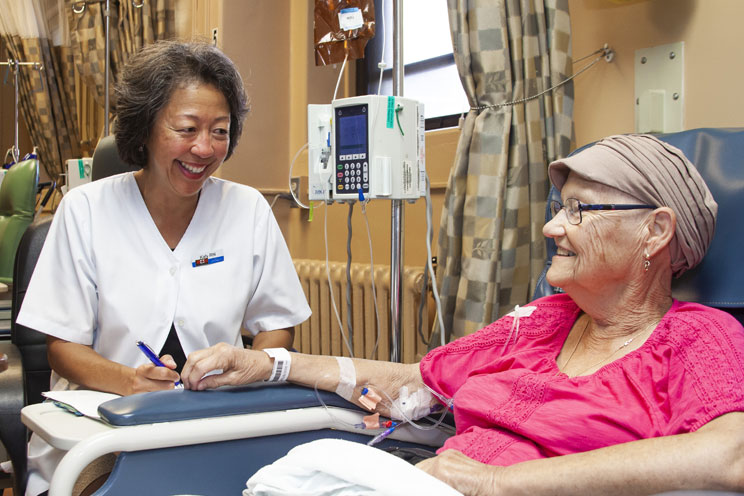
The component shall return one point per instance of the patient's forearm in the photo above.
(710, 458)
(385, 378)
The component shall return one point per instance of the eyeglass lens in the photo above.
(573, 213)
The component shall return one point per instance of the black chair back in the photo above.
(106, 160)
(31, 343)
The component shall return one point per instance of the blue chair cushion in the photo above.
(180, 404)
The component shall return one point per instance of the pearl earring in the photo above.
(646, 263)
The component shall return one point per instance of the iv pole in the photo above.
(396, 217)
(14, 65)
(79, 8)
(107, 69)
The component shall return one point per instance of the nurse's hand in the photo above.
(150, 377)
(468, 476)
(238, 365)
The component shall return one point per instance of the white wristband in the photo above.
(282, 364)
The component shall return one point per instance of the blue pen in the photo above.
(153, 357)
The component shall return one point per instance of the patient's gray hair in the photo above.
(148, 80)
(656, 173)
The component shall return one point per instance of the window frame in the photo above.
(368, 73)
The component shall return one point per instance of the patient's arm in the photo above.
(241, 366)
(711, 458)
(83, 366)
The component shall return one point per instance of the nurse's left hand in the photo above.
(468, 476)
(238, 365)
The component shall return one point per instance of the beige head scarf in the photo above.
(655, 173)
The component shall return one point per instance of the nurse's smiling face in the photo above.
(189, 140)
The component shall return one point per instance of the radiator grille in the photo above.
(320, 334)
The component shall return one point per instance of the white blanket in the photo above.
(342, 468)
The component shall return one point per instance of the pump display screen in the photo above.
(352, 167)
(352, 134)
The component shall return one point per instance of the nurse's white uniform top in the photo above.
(107, 278)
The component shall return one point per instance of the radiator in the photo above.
(320, 334)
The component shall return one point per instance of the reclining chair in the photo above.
(17, 209)
(717, 280)
(166, 426)
(28, 370)
(169, 440)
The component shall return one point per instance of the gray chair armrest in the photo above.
(13, 433)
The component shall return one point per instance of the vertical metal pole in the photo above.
(16, 149)
(107, 70)
(396, 217)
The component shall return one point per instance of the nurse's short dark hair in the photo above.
(149, 79)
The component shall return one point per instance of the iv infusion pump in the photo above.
(366, 147)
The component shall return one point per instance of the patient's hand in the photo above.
(468, 476)
(238, 365)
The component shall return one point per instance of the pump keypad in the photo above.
(352, 173)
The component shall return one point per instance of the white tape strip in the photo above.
(346, 378)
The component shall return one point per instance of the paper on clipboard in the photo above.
(81, 401)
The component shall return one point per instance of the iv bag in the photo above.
(342, 27)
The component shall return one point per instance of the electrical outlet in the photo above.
(295, 185)
(214, 36)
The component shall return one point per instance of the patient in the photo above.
(611, 388)
(167, 255)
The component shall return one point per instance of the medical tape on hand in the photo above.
(282, 364)
(369, 398)
(411, 406)
(346, 378)
(371, 421)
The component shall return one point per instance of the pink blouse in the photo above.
(512, 403)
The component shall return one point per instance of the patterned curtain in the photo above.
(32, 33)
(491, 247)
(132, 24)
(71, 48)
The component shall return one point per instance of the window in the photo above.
(430, 73)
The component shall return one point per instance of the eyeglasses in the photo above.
(574, 208)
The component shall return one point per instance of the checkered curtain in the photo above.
(31, 33)
(491, 247)
(132, 24)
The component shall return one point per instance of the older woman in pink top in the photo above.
(614, 387)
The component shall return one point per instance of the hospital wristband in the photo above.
(282, 364)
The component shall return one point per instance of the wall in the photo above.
(711, 31)
(271, 43)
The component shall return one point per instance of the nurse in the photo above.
(167, 255)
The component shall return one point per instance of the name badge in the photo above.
(212, 257)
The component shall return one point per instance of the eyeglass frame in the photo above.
(593, 206)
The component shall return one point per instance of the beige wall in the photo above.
(712, 33)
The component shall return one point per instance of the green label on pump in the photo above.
(82, 168)
(390, 112)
